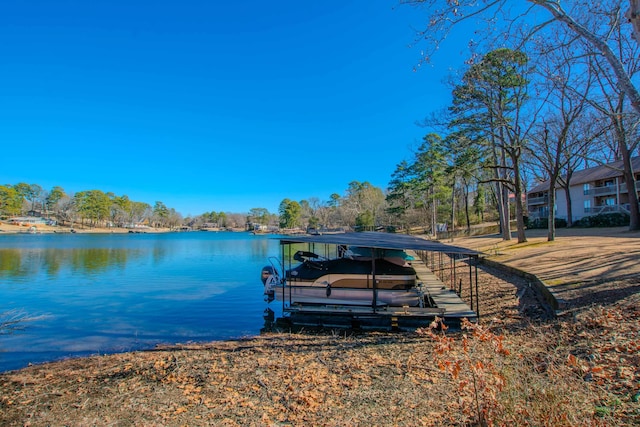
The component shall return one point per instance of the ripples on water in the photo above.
(104, 293)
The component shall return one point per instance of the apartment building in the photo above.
(596, 190)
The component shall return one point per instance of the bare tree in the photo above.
(586, 20)
(362, 199)
(613, 104)
(598, 25)
(564, 86)
(65, 210)
(582, 143)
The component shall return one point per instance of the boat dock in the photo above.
(448, 306)
(442, 296)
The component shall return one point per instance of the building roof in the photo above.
(379, 241)
(596, 173)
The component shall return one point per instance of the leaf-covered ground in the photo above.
(517, 367)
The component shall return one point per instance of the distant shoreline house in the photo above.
(596, 190)
(30, 221)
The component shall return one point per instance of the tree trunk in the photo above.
(503, 214)
(551, 227)
(506, 232)
(634, 210)
(633, 15)
(502, 194)
(466, 206)
(567, 195)
(506, 213)
(435, 217)
(517, 190)
(566, 183)
(453, 211)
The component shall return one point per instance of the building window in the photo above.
(585, 189)
(587, 205)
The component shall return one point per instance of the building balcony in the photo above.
(623, 187)
(608, 189)
(601, 191)
(531, 201)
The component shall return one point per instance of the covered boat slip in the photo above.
(443, 301)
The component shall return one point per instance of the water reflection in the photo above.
(106, 293)
(32, 262)
(261, 247)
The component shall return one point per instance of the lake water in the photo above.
(106, 293)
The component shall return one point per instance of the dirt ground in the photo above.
(581, 267)
(518, 366)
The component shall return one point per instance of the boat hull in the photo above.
(347, 296)
(345, 281)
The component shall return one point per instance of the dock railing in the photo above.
(458, 272)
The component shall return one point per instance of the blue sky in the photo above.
(212, 105)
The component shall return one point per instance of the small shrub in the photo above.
(617, 219)
(543, 223)
(498, 384)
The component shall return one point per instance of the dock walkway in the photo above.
(442, 296)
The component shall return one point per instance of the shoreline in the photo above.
(48, 229)
(581, 368)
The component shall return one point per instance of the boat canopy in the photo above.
(378, 240)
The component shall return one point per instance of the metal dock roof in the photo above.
(378, 240)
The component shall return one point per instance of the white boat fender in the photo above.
(328, 290)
